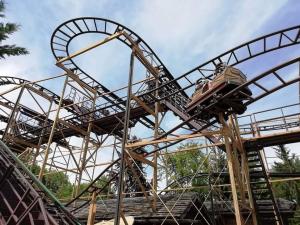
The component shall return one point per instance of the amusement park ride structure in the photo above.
(70, 131)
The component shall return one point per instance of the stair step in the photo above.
(261, 191)
(256, 172)
(255, 166)
(253, 161)
(252, 154)
(262, 195)
(269, 220)
(264, 204)
(254, 188)
(264, 198)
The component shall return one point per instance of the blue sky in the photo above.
(182, 33)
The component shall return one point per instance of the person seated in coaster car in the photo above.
(225, 79)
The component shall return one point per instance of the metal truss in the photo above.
(70, 131)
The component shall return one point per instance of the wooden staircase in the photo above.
(267, 212)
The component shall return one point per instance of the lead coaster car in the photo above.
(208, 91)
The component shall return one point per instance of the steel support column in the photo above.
(41, 135)
(41, 173)
(124, 142)
(85, 146)
(155, 156)
(11, 118)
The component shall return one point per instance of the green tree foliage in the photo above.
(218, 164)
(186, 164)
(102, 183)
(58, 182)
(290, 163)
(6, 29)
(289, 190)
(191, 166)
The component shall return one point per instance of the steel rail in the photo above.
(272, 72)
(250, 82)
(40, 186)
(7, 80)
(287, 34)
(62, 37)
(70, 29)
(231, 54)
(209, 66)
(281, 33)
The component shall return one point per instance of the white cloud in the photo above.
(182, 31)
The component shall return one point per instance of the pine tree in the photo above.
(289, 190)
(289, 163)
(6, 29)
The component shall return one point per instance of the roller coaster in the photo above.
(77, 128)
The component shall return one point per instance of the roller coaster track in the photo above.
(274, 73)
(64, 34)
(173, 92)
(246, 127)
(173, 95)
(284, 36)
(71, 29)
(67, 31)
(7, 80)
(44, 92)
(24, 199)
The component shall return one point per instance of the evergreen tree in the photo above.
(6, 29)
(289, 190)
(290, 163)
